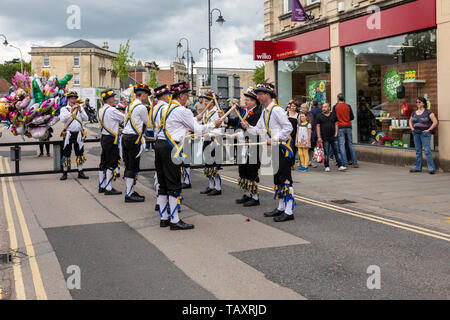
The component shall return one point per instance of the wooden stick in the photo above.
(245, 144)
(217, 104)
(228, 113)
(205, 109)
(239, 115)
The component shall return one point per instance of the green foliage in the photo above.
(123, 61)
(9, 68)
(258, 75)
(153, 83)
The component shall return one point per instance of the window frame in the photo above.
(46, 65)
(75, 77)
(79, 61)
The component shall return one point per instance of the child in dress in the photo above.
(303, 140)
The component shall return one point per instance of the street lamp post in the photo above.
(188, 51)
(191, 76)
(21, 58)
(220, 21)
(5, 43)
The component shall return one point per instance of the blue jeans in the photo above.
(423, 139)
(345, 135)
(328, 145)
(149, 133)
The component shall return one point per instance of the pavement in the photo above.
(391, 219)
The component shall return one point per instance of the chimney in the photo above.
(105, 45)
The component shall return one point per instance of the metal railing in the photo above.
(15, 156)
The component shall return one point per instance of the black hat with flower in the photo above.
(162, 90)
(267, 88)
(142, 88)
(72, 94)
(251, 94)
(105, 95)
(180, 87)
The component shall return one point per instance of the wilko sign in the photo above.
(263, 50)
(305, 43)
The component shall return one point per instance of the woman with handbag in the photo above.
(423, 122)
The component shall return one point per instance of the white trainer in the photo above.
(342, 168)
(327, 169)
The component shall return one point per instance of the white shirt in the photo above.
(111, 118)
(66, 115)
(139, 115)
(279, 125)
(157, 114)
(181, 119)
(211, 114)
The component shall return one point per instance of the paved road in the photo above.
(233, 253)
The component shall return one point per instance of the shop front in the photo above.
(381, 72)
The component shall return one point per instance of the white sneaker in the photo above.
(342, 168)
(327, 169)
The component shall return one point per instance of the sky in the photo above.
(154, 27)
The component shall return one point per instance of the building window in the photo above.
(305, 78)
(113, 82)
(383, 78)
(76, 61)
(287, 6)
(312, 1)
(46, 62)
(102, 63)
(76, 79)
(101, 80)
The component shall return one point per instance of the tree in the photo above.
(258, 75)
(153, 83)
(9, 68)
(123, 61)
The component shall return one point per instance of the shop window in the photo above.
(305, 78)
(383, 78)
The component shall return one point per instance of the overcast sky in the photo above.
(154, 27)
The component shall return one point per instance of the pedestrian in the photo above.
(327, 132)
(200, 105)
(174, 122)
(314, 113)
(136, 117)
(276, 125)
(46, 138)
(344, 115)
(293, 119)
(72, 117)
(110, 119)
(423, 122)
(303, 140)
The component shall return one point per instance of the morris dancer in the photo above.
(136, 118)
(109, 118)
(276, 125)
(72, 118)
(248, 170)
(168, 154)
(211, 171)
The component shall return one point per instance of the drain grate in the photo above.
(344, 201)
(5, 258)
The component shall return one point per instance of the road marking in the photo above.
(386, 221)
(36, 275)
(18, 280)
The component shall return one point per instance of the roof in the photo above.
(81, 44)
(4, 86)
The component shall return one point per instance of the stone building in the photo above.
(90, 65)
(382, 54)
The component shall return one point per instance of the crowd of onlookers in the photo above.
(322, 129)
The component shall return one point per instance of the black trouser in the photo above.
(328, 145)
(109, 158)
(130, 149)
(284, 169)
(249, 171)
(47, 147)
(168, 173)
(67, 151)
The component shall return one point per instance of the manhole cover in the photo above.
(344, 201)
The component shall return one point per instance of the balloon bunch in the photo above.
(33, 103)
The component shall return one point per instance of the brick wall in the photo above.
(166, 76)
